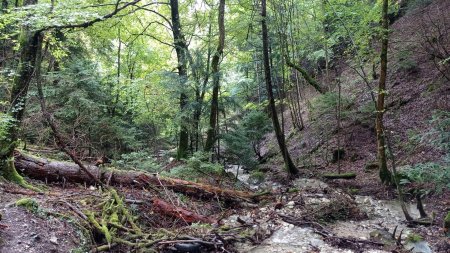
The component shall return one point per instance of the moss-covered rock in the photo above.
(28, 203)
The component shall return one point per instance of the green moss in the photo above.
(414, 238)
(28, 203)
(10, 173)
(293, 190)
(353, 190)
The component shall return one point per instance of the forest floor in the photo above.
(307, 215)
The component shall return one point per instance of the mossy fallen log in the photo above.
(348, 175)
(51, 171)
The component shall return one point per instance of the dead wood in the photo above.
(57, 171)
(162, 207)
(349, 175)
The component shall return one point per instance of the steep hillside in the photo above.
(417, 117)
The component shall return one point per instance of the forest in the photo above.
(225, 126)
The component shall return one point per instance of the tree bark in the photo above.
(385, 174)
(181, 50)
(212, 130)
(289, 164)
(57, 171)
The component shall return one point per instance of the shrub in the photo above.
(426, 173)
(243, 143)
(141, 160)
(197, 166)
(325, 105)
(405, 62)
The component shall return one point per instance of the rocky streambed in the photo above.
(381, 218)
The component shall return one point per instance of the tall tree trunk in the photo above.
(276, 125)
(211, 134)
(385, 174)
(29, 44)
(180, 48)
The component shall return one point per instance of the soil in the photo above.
(38, 231)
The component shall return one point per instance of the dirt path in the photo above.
(35, 231)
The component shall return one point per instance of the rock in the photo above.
(36, 237)
(290, 204)
(383, 236)
(317, 242)
(187, 247)
(418, 247)
(54, 240)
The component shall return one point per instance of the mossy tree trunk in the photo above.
(213, 118)
(29, 46)
(385, 174)
(181, 50)
(289, 164)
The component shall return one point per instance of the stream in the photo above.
(383, 217)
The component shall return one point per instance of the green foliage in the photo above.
(416, 4)
(141, 160)
(256, 177)
(439, 134)
(6, 122)
(426, 173)
(326, 104)
(447, 224)
(243, 142)
(405, 62)
(413, 237)
(197, 166)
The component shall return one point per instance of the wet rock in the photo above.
(418, 247)
(188, 247)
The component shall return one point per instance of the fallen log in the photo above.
(57, 171)
(162, 207)
(349, 175)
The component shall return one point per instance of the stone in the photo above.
(418, 247)
(54, 240)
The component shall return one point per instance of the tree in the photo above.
(181, 50)
(29, 41)
(385, 174)
(211, 135)
(289, 164)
